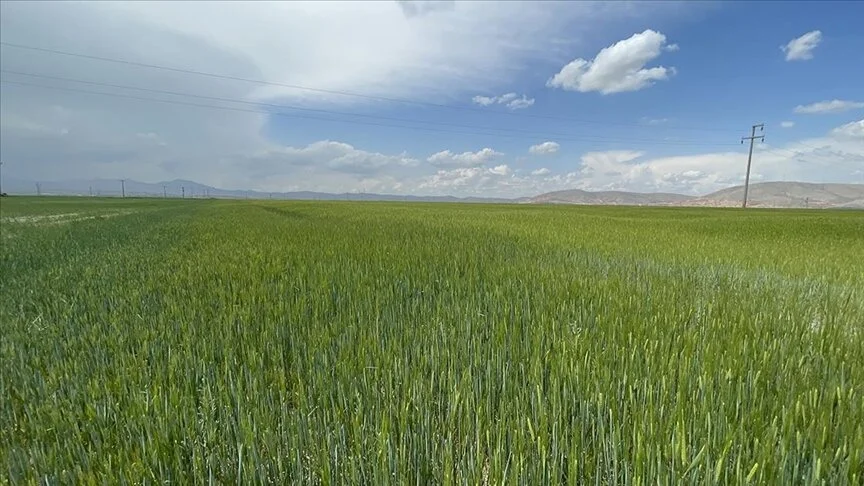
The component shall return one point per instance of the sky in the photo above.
(497, 99)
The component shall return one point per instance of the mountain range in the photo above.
(763, 194)
(191, 189)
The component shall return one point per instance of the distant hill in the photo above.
(763, 194)
(191, 189)
(787, 195)
(578, 196)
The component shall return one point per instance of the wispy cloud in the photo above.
(832, 106)
(510, 100)
(545, 148)
(801, 48)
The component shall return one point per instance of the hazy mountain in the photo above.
(764, 194)
(787, 195)
(192, 189)
(578, 196)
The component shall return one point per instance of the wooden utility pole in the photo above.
(752, 138)
(183, 190)
(122, 187)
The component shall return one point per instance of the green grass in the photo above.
(383, 343)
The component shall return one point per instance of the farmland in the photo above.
(392, 343)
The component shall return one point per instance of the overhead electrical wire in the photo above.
(345, 93)
(358, 122)
(556, 135)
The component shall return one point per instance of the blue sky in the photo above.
(710, 71)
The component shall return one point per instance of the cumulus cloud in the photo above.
(545, 148)
(502, 169)
(853, 130)
(446, 158)
(801, 48)
(510, 100)
(618, 68)
(424, 51)
(787, 124)
(470, 180)
(832, 106)
(832, 158)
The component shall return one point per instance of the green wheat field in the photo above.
(237, 342)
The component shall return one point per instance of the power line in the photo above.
(291, 115)
(338, 92)
(752, 138)
(318, 110)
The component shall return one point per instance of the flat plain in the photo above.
(209, 341)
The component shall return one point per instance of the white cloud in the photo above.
(510, 100)
(422, 52)
(852, 130)
(617, 68)
(654, 121)
(801, 48)
(446, 158)
(422, 49)
(502, 169)
(833, 106)
(521, 103)
(467, 180)
(832, 158)
(336, 156)
(484, 100)
(787, 124)
(545, 148)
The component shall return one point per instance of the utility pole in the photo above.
(91, 191)
(183, 190)
(122, 187)
(38, 189)
(752, 138)
(164, 191)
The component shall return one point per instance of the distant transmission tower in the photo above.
(752, 138)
